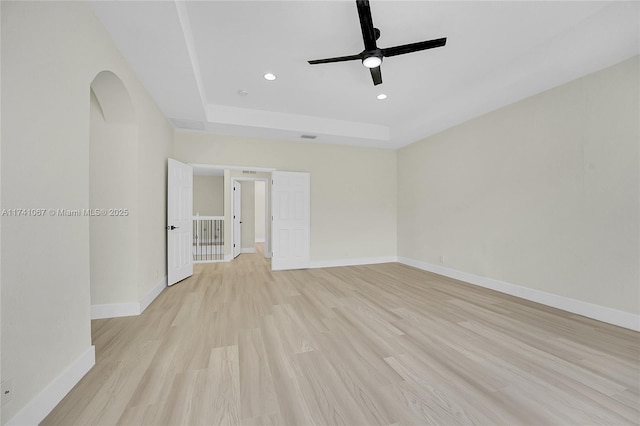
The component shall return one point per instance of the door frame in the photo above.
(199, 167)
(267, 209)
(236, 210)
(229, 187)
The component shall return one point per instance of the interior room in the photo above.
(442, 228)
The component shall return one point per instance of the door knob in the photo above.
(171, 228)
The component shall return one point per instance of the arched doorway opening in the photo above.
(113, 158)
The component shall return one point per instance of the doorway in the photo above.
(250, 207)
(244, 179)
(287, 214)
(260, 216)
(113, 131)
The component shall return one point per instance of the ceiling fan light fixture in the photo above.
(372, 61)
(372, 56)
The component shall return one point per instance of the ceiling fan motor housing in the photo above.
(372, 58)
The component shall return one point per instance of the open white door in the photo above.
(179, 221)
(291, 228)
(237, 218)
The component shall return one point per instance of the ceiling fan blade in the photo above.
(337, 59)
(376, 75)
(366, 24)
(414, 47)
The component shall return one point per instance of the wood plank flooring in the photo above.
(366, 345)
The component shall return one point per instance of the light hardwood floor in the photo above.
(365, 345)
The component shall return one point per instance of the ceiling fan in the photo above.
(372, 55)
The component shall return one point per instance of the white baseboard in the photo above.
(248, 250)
(589, 310)
(351, 262)
(228, 257)
(152, 294)
(40, 406)
(114, 310)
(127, 309)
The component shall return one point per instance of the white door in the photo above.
(237, 218)
(291, 228)
(179, 221)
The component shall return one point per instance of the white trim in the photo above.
(589, 310)
(223, 167)
(114, 310)
(152, 294)
(39, 407)
(228, 257)
(185, 24)
(128, 309)
(250, 179)
(248, 250)
(271, 120)
(259, 240)
(351, 262)
(236, 223)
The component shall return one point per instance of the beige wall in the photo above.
(51, 52)
(113, 239)
(260, 211)
(353, 190)
(155, 145)
(542, 193)
(208, 195)
(248, 214)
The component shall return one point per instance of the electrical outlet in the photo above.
(7, 391)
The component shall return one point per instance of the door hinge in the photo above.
(234, 245)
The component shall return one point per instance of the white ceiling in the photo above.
(195, 56)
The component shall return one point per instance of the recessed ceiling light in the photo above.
(381, 96)
(269, 76)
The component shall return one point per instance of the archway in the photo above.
(113, 157)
